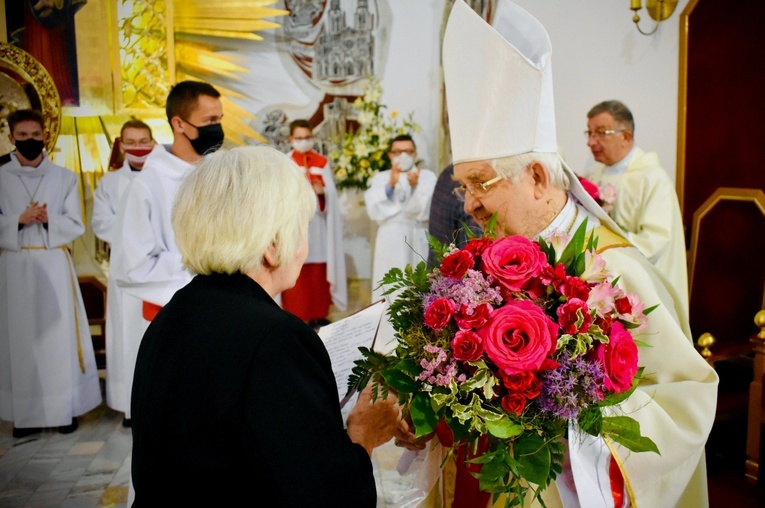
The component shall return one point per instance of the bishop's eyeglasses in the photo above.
(475, 189)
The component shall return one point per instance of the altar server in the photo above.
(48, 373)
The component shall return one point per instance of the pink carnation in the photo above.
(574, 317)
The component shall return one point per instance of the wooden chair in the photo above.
(94, 296)
(756, 417)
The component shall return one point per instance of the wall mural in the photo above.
(328, 50)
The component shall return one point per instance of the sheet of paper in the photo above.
(343, 339)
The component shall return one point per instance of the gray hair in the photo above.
(511, 167)
(235, 204)
(618, 110)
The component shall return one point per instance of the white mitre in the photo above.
(499, 90)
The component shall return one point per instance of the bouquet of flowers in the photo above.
(604, 195)
(363, 152)
(505, 343)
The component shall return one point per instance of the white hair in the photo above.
(235, 204)
(511, 167)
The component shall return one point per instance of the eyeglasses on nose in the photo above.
(475, 189)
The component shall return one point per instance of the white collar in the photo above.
(569, 219)
(620, 167)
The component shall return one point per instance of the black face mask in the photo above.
(30, 148)
(210, 138)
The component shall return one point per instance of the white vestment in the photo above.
(124, 323)
(325, 238)
(402, 222)
(648, 210)
(48, 371)
(145, 262)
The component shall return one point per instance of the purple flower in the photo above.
(572, 387)
(466, 293)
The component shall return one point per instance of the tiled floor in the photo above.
(90, 467)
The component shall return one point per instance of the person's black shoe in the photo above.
(126, 423)
(68, 429)
(27, 431)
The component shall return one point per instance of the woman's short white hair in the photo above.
(512, 167)
(235, 204)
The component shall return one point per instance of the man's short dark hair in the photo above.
(183, 98)
(402, 137)
(23, 115)
(618, 110)
(134, 123)
(296, 124)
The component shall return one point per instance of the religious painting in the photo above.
(45, 30)
(25, 83)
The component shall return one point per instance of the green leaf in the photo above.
(400, 381)
(533, 455)
(423, 416)
(650, 309)
(626, 431)
(504, 428)
(591, 421)
(575, 245)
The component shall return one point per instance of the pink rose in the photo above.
(475, 320)
(456, 265)
(514, 261)
(513, 403)
(519, 336)
(438, 313)
(619, 358)
(574, 317)
(467, 346)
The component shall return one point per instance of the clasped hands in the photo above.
(413, 175)
(35, 213)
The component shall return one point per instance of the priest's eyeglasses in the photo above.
(475, 189)
(601, 134)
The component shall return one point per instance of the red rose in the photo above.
(524, 383)
(623, 306)
(457, 264)
(467, 346)
(476, 246)
(619, 358)
(438, 313)
(514, 261)
(513, 403)
(519, 336)
(574, 287)
(574, 317)
(475, 320)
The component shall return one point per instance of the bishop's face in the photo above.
(513, 202)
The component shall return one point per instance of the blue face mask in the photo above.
(209, 138)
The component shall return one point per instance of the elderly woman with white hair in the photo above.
(234, 399)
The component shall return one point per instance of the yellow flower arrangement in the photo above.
(363, 152)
